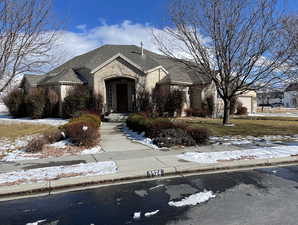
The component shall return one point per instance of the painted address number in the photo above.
(155, 173)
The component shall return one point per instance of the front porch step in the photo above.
(116, 117)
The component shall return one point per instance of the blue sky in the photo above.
(88, 24)
(93, 12)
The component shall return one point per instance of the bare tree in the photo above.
(235, 43)
(290, 34)
(26, 37)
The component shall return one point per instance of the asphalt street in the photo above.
(257, 197)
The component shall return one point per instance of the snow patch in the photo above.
(56, 172)
(258, 153)
(3, 108)
(140, 138)
(36, 223)
(19, 155)
(148, 214)
(137, 215)
(94, 150)
(193, 199)
(61, 144)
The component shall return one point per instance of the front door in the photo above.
(122, 98)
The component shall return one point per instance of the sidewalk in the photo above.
(134, 162)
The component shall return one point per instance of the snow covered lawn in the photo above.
(56, 172)
(248, 140)
(14, 150)
(193, 199)
(48, 121)
(258, 153)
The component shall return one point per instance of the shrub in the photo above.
(197, 112)
(157, 125)
(143, 101)
(51, 106)
(159, 99)
(188, 111)
(15, 102)
(53, 136)
(83, 133)
(180, 124)
(88, 117)
(174, 103)
(135, 122)
(172, 137)
(241, 110)
(210, 105)
(199, 134)
(36, 144)
(78, 99)
(96, 104)
(35, 103)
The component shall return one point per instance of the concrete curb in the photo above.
(88, 182)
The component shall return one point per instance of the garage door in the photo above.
(246, 102)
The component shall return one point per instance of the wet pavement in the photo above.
(265, 197)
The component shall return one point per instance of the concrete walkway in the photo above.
(134, 161)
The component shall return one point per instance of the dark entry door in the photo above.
(122, 98)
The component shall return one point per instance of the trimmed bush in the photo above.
(135, 121)
(197, 112)
(77, 100)
(15, 102)
(36, 145)
(35, 103)
(173, 137)
(53, 136)
(83, 133)
(157, 125)
(87, 117)
(199, 134)
(180, 124)
(241, 110)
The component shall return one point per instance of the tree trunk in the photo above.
(227, 106)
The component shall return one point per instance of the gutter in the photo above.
(89, 182)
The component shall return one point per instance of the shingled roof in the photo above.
(33, 80)
(72, 69)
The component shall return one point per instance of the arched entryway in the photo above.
(120, 94)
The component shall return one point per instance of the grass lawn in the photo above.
(249, 126)
(21, 129)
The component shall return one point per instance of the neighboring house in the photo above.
(291, 96)
(270, 97)
(120, 72)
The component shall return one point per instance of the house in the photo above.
(120, 72)
(270, 97)
(291, 96)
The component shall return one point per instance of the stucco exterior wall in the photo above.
(154, 77)
(199, 94)
(116, 69)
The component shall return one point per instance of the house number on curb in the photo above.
(155, 173)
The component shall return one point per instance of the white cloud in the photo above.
(71, 44)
